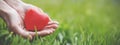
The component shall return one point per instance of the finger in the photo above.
(54, 26)
(43, 32)
(53, 22)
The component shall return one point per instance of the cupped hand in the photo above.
(13, 14)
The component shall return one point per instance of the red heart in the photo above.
(35, 19)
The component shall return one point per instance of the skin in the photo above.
(13, 12)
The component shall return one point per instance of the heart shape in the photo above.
(35, 19)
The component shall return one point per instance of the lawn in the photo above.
(82, 22)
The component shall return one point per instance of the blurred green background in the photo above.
(82, 22)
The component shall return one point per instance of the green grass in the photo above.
(82, 22)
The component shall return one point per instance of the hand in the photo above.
(13, 20)
(14, 16)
